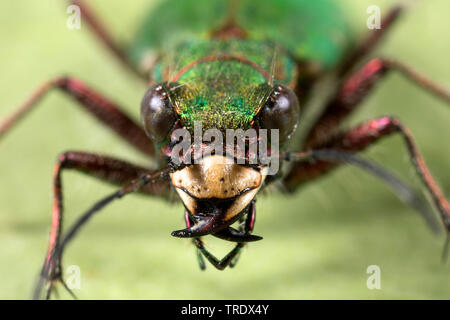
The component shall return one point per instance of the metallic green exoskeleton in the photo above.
(230, 65)
(240, 65)
(223, 80)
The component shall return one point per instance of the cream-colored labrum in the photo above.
(217, 178)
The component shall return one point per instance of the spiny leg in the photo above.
(95, 103)
(231, 258)
(358, 139)
(105, 168)
(356, 88)
(137, 184)
(358, 85)
(369, 43)
(104, 36)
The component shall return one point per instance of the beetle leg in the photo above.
(356, 88)
(368, 44)
(96, 104)
(104, 36)
(358, 139)
(108, 169)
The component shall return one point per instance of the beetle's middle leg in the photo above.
(356, 89)
(105, 168)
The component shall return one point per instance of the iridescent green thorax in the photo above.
(223, 83)
(312, 30)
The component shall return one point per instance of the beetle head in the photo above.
(216, 192)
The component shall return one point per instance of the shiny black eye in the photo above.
(157, 113)
(280, 111)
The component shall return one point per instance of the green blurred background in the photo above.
(317, 243)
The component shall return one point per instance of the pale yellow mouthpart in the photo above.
(218, 177)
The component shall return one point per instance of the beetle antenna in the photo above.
(406, 193)
(133, 186)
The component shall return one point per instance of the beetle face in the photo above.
(216, 191)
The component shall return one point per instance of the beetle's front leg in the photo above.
(105, 168)
(105, 36)
(369, 43)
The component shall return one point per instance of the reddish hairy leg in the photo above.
(369, 43)
(356, 88)
(358, 139)
(96, 104)
(114, 171)
(108, 169)
(348, 97)
(104, 36)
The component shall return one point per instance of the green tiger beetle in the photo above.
(234, 65)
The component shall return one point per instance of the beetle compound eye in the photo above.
(157, 113)
(280, 111)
